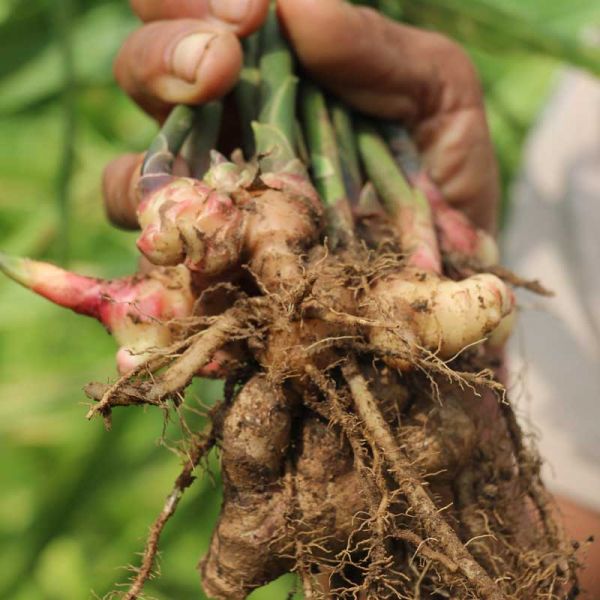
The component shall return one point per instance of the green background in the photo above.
(76, 501)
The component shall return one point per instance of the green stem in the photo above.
(394, 189)
(301, 144)
(325, 159)
(346, 143)
(167, 144)
(247, 92)
(204, 137)
(274, 132)
(409, 208)
(325, 164)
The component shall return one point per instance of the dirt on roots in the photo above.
(363, 463)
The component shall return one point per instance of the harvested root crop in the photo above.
(366, 442)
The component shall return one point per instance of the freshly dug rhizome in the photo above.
(366, 442)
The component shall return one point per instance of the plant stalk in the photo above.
(326, 166)
(408, 208)
(274, 133)
(203, 137)
(493, 28)
(348, 152)
(168, 142)
(394, 189)
(247, 92)
(404, 150)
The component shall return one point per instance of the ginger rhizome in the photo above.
(136, 311)
(366, 442)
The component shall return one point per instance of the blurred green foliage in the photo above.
(76, 501)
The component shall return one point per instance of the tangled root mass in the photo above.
(355, 457)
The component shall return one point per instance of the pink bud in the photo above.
(79, 293)
(187, 221)
(457, 234)
(135, 310)
(228, 177)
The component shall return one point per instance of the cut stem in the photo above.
(346, 144)
(167, 144)
(325, 159)
(408, 207)
(326, 166)
(247, 92)
(203, 137)
(491, 26)
(274, 133)
(459, 239)
(394, 189)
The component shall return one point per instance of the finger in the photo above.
(241, 16)
(119, 182)
(399, 72)
(177, 62)
(357, 52)
(459, 157)
(120, 188)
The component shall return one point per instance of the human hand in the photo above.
(188, 52)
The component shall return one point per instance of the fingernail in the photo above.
(188, 55)
(233, 11)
